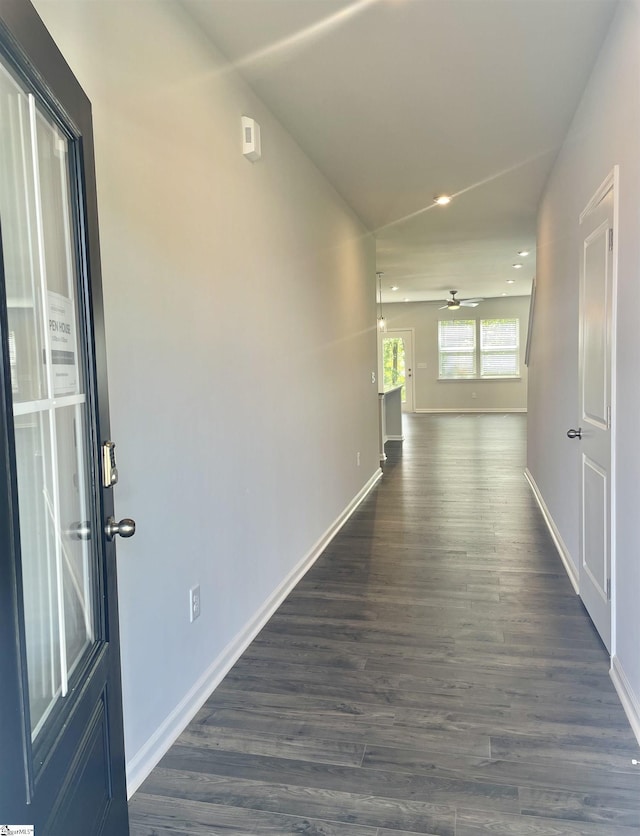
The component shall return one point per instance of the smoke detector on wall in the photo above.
(251, 147)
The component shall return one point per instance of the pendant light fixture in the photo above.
(382, 324)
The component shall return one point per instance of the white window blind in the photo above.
(457, 348)
(499, 348)
(499, 354)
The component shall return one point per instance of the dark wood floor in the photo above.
(434, 673)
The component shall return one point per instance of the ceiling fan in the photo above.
(454, 304)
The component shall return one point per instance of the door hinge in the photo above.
(611, 240)
(608, 589)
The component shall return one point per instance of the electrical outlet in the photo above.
(358, 458)
(194, 602)
(473, 395)
(373, 377)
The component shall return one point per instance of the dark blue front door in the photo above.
(61, 741)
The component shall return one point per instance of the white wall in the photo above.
(240, 313)
(605, 132)
(434, 394)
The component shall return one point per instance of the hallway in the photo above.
(433, 673)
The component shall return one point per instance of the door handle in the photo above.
(575, 433)
(124, 528)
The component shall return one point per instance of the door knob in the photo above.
(125, 528)
(575, 433)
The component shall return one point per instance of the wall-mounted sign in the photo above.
(61, 322)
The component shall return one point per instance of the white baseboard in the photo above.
(472, 409)
(148, 756)
(394, 438)
(629, 700)
(563, 551)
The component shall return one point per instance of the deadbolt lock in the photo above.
(109, 469)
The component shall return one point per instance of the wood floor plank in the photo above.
(523, 656)
(157, 815)
(358, 730)
(480, 823)
(573, 748)
(599, 721)
(572, 777)
(273, 745)
(598, 807)
(380, 694)
(434, 673)
(336, 805)
(353, 722)
(377, 783)
(481, 687)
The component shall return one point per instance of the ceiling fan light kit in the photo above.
(454, 304)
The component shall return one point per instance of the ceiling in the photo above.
(397, 101)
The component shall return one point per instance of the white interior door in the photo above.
(397, 364)
(596, 341)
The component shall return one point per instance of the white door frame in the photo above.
(611, 182)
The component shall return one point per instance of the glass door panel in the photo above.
(52, 166)
(393, 364)
(17, 216)
(397, 364)
(33, 456)
(56, 506)
(75, 526)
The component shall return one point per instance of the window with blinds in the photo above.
(499, 354)
(499, 348)
(457, 348)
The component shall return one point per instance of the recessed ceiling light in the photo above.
(511, 281)
(523, 253)
(442, 199)
(517, 266)
(406, 300)
(504, 293)
(395, 287)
